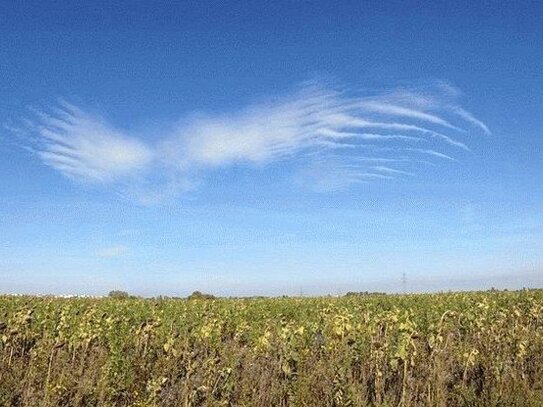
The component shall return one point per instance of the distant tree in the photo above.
(118, 294)
(197, 295)
(361, 293)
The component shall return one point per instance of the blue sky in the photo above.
(270, 147)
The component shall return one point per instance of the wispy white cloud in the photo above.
(464, 114)
(388, 170)
(87, 147)
(394, 110)
(313, 121)
(112, 251)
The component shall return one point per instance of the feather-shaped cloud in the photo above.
(86, 147)
(315, 122)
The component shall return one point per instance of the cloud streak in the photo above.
(112, 251)
(308, 126)
(86, 147)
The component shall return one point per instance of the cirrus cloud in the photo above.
(112, 251)
(86, 147)
(316, 124)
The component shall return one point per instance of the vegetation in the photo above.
(458, 349)
(118, 294)
(353, 293)
(197, 295)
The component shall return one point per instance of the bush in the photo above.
(118, 294)
(361, 293)
(197, 295)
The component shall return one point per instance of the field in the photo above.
(458, 349)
